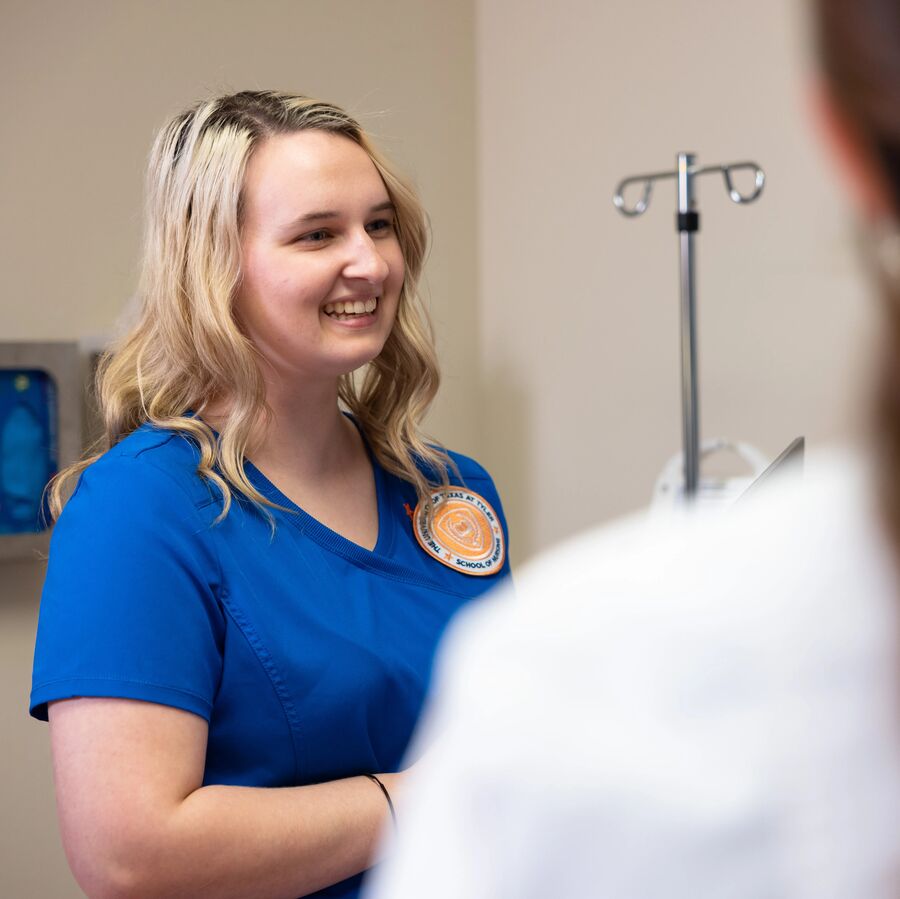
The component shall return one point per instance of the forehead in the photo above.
(291, 175)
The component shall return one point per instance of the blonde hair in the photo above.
(187, 347)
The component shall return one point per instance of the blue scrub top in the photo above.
(308, 655)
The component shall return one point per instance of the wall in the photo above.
(579, 305)
(83, 86)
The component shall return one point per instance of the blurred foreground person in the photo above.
(707, 707)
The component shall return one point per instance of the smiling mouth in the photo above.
(350, 309)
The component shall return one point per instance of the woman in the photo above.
(245, 589)
(707, 707)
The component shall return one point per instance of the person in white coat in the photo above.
(702, 706)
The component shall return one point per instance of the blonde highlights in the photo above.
(186, 347)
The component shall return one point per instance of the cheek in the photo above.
(397, 266)
(252, 287)
(262, 275)
(249, 306)
(271, 287)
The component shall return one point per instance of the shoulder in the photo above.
(671, 594)
(159, 447)
(152, 469)
(682, 666)
(464, 470)
(668, 597)
(466, 473)
(140, 500)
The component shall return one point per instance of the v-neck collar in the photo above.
(321, 532)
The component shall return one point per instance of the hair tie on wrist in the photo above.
(387, 796)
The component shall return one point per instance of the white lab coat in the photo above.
(672, 708)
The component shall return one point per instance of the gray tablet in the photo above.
(790, 461)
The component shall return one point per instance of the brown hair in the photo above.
(859, 50)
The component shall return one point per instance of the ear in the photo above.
(854, 156)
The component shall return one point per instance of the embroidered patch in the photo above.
(465, 532)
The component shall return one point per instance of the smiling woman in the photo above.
(241, 609)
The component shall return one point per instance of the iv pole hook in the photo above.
(687, 224)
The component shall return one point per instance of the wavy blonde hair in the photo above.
(186, 346)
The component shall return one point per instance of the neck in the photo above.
(305, 431)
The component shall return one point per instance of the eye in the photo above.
(314, 236)
(380, 226)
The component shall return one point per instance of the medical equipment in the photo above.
(669, 489)
(789, 460)
(687, 224)
(41, 407)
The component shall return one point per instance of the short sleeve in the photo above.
(129, 607)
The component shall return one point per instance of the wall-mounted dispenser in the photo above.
(41, 400)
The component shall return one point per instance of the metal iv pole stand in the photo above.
(687, 224)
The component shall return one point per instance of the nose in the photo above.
(365, 262)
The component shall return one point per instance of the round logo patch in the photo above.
(465, 532)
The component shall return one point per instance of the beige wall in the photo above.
(83, 86)
(32, 865)
(579, 305)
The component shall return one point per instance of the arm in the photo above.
(136, 821)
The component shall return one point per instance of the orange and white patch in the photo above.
(465, 532)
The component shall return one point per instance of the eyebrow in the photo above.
(323, 215)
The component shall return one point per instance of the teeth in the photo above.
(343, 310)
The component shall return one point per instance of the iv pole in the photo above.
(687, 224)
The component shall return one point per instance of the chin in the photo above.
(355, 361)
